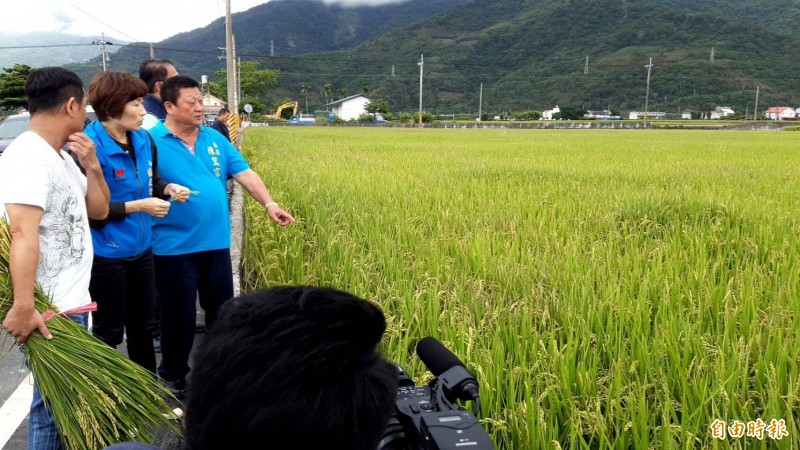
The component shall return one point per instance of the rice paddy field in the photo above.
(610, 289)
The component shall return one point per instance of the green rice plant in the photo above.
(615, 289)
(96, 395)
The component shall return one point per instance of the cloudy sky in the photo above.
(134, 20)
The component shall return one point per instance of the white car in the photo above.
(12, 127)
(15, 124)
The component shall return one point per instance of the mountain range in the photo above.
(510, 55)
(48, 49)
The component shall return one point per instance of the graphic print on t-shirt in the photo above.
(61, 233)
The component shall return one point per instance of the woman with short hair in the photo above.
(123, 274)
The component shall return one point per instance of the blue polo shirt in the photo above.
(203, 222)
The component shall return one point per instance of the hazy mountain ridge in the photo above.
(285, 27)
(48, 49)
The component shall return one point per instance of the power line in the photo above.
(16, 47)
(109, 26)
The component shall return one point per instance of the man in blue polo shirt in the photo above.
(192, 243)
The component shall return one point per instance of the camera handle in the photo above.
(457, 383)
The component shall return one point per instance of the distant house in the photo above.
(212, 104)
(780, 113)
(349, 108)
(636, 115)
(720, 112)
(549, 113)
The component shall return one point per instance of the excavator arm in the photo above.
(277, 115)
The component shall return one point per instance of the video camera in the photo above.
(429, 417)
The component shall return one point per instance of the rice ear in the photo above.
(97, 396)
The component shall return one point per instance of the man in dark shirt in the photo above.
(154, 72)
(221, 123)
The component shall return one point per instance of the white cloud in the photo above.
(140, 20)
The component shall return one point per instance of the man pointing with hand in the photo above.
(192, 243)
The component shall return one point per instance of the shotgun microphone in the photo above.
(457, 381)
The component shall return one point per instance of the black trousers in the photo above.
(180, 281)
(124, 289)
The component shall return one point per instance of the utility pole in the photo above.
(421, 64)
(152, 51)
(238, 79)
(712, 55)
(102, 43)
(755, 110)
(480, 103)
(647, 92)
(231, 79)
(586, 67)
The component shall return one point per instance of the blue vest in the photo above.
(133, 234)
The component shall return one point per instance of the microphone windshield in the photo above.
(436, 357)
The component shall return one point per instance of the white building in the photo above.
(350, 108)
(781, 113)
(549, 113)
(212, 104)
(636, 115)
(720, 112)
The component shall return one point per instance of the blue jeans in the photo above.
(42, 431)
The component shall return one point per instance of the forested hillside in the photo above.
(780, 16)
(526, 54)
(532, 55)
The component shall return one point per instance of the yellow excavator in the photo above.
(277, 115)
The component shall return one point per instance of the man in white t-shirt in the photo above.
(48, 203)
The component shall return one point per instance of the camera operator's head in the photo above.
(291, 367)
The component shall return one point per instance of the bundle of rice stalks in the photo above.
(97, 396)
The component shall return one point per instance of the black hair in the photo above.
(49, 88)
(223, 111)
(171, 88)
(151, 71)
(291, 367)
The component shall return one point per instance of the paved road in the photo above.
(15, 393)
